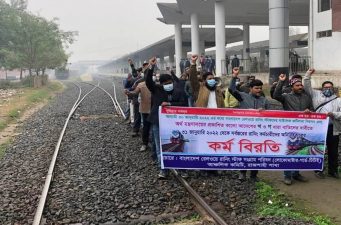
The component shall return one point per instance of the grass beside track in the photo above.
(3, 148)
(14, 107)
(271, 202)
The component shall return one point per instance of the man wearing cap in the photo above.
(286, 88)
(325, 101)
(296, 100)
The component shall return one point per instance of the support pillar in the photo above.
(262, 59)
(246, 41)
(184, 51)
(279, 38)
(220, 37)
(202, 47)
(162, 62)
(311, 36)
(178, 48)
(171, 60)
(246, 62)
(195, 34)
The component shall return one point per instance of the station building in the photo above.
(323, 41)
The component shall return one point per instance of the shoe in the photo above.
(242, 177)
(334, 175)
(143, 148)
(300, 178)
(320, 175)
(254, 179)
(163, 174)
(287, 181)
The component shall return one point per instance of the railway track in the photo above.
(118, 113)
(49, 176)
(101, 177)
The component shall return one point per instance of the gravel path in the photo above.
(101, 177)
(24, 166)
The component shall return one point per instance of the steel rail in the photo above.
(39, 212)
(118, 104)
(199, 199)
(79, 102)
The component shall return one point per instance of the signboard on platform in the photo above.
(235, 139)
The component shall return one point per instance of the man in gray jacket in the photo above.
(325, 101)
(296, 100)
(251, 100)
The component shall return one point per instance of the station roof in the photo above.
(253, 12)
(166, 46)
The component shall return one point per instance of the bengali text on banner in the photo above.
(235, 139)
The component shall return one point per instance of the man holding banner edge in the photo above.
(325, 101)
(296, 100)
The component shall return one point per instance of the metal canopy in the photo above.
(166, 46)
(238, 12)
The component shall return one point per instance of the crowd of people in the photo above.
(147, 89)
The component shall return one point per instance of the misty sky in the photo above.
(111, 28)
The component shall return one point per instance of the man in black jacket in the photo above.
(167, 93)
(235, 62)
(286, 88)
(296, 100)
(137, 76)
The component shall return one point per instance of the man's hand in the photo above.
(282, 77)
(130, 61)
(152, 61)
(311, 71)
(235, 72)
(126, 92)
(331, 115)
(194, 59)
(165, 104)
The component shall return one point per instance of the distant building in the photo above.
(325, 36)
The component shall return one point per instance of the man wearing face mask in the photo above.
(251, 100)
(296, 100)
(167, 93)
(325, 101)
(206, 93)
